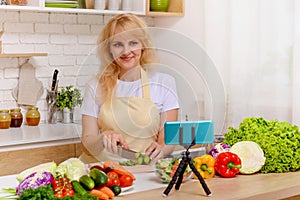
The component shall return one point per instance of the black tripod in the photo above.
(186, 160)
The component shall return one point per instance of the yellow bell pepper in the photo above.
(205, 166)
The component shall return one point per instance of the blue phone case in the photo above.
(203, 132)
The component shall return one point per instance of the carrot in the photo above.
(99, 194)
(117, 168)
(107, 191)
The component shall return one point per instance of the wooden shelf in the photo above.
(21, 55)
(176, 8)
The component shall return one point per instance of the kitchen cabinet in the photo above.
(140, 7)
(13, 162)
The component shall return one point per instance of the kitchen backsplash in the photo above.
(69, 39)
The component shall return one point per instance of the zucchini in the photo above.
(98, 176)
(87, 182)
(78, 188)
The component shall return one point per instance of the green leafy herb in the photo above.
(280, 142)
(68, 97)
(46, 192)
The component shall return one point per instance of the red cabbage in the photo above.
(218, 148)
(35, 180)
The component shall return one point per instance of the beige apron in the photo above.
(137, 119)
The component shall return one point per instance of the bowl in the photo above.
(159, 5)
(166, 168)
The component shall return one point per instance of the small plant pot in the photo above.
(67, 116)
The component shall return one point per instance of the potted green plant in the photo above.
(68, 98)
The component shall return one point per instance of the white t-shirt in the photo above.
(162, 90)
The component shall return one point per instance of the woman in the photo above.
(127, 105)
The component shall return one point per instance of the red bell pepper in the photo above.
(227, 164)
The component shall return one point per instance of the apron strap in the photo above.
(145, 84)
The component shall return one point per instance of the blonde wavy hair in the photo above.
(109, 70)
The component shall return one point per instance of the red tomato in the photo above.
(59, 194)
(125, 181)
(112, 182)
(113, 175)
(113, 179)
(68, 193)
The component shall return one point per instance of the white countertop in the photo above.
(39, 136)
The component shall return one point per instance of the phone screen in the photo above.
(185, 132)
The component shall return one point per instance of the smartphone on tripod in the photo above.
(187, 134)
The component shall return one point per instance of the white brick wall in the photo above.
(69, 39)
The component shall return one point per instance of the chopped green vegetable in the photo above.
(147, 160)
(128, 163)
(166, 168)
(280, 142)
(141, 160)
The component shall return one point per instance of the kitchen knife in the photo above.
(127, 153)
(54, 80)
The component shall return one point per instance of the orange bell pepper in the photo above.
(205, 166)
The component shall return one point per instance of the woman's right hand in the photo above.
(111, 140)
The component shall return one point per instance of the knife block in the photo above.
(51, 107)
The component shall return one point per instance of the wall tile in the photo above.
(63, 39)
(33, 17)
(10, 38)
(48, 28)
(62, 60)
(77, 29)
(18, 27)
(57, 18)
(11, 73)
(90, 19)
(34, 38)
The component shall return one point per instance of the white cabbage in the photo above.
(251, 155)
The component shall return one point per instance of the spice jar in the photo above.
(17, 2)
(5, 119)
(33, 116)
(16, 117)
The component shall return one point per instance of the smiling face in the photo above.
(126, 50)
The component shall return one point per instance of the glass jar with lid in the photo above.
(16, 117)
(33, 116)
(5, 119)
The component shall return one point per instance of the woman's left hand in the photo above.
(155, 151)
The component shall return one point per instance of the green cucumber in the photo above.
(87, 182)
(137, 155)
(140, 160)
(78, 188)
(147, 160)
(98, 176)
(116, 189)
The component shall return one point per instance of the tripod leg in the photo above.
(179, 180)
(200, 178)
(178, 171)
